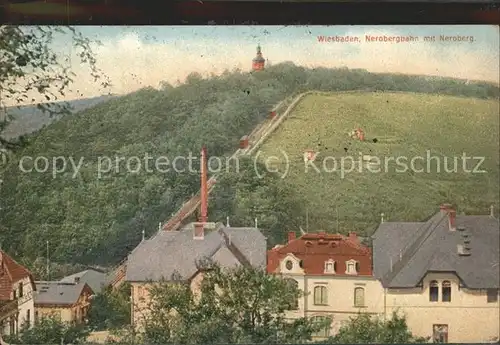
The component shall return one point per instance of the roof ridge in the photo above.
(5, 264)
(413, 248)
(216, 249)
(356, 244)
(387, 223)
(233, 248)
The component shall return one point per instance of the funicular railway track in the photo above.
(255, 139)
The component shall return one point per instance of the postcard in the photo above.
(297, 183)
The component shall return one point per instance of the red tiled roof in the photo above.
(315, 249)
(10, 273)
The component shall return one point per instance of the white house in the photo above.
(16, 296)
(442, 274)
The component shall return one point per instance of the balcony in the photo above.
(8, 308)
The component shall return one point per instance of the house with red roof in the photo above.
(335, 274)
(17, 288)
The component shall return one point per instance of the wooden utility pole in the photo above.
(48, 262)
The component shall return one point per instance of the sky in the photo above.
(136, 57)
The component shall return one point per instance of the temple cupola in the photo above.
(258, 62)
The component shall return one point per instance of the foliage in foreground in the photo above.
(237, 306)
(246, 305)
(110, 309)
(49, 330)
(367, 329)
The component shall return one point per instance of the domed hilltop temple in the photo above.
(258, 62)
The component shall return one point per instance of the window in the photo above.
(324, 331)
(357, 267)
(294, 305)
(446, 291)
(36, 316)
(440, 333)
(289, 265)
(21, 292)
(12, 325)
(320, 295)
(28, 317)
(359, 297)
(14, 294)
(491, 295)
(433, 291)
(351, 267)
(330, 266)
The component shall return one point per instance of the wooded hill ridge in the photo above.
(98, 221)
(29, 118)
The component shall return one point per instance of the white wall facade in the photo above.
(340, 290)
(22, 290)
(26, 303)
(468, 315)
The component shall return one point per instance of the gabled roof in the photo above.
(314, 249)
(171, 253)
(414, 249)
(57, 293)
(10, 273)
(93, 278)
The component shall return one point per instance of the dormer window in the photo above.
(330, 266)
(352, 267)
(289, 265)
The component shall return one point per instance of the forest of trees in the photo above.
(97, 221)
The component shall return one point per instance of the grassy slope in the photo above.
(405, 125)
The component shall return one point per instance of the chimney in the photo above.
(227, 222)
(492, 211)
(353, 236)
(199, 231)
(204, 189)
(291, 236)
(382, 218)
(451, 219)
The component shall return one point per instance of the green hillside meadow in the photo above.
(402, 124)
